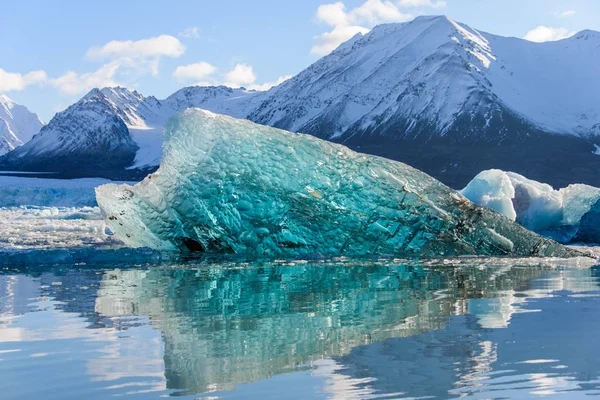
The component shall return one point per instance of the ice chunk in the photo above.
(537, 206)
(228, 185)
(492, 189)
(578, 200)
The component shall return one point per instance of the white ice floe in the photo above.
(24, 228)
(566, 214)
(39, 213)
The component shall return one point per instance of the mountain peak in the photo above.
(95, 92)
(21, 122)
(430, 30)
(440, 17)
(120, 91)
(5, 100)
(586, 34)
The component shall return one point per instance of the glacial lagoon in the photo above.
(82, 315)
(131, 325)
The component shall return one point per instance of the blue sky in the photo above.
(53, 52)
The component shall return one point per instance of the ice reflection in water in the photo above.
(476, 328)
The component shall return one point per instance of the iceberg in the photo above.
(232, 186)
(569, 214)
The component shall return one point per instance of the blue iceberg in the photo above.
(567, 215)
(232, 186)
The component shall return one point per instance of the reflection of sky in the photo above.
(44, 349)
(144, 333)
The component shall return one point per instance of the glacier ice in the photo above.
(16, 191)
(231, 186)
(50, 214)
(568, 214)
(50, 228)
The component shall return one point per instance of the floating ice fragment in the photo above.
(228, 185)
(568, 214)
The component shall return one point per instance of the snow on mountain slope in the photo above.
(144, 117)
(219, 99)
(22, 122)
(554, 84)
(135, 110)
(8, 140)
(116, 128)
(88, 135)
(427, 75)
(17, 124)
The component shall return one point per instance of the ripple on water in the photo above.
(342, 328)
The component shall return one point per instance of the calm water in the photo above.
(473, 328)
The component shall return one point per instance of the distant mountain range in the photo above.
(116, 132)
(436, 94)
(17, 124)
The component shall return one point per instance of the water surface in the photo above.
(139, 328)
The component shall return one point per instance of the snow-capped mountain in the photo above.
(219, 99)
(423, 77)
(453, 101)
(17, 124)
(441, 96)
(8, 140)
(87, 137)
(116, 132)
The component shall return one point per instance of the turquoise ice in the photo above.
(231, 186)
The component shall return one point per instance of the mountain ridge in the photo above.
(434, 93)
(17, 124)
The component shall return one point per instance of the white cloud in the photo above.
(547, 34)
(158, 46)
(240, 75)
(329, 41)
(422, 3)
(563, 14)
(345, 24)
(375, 12)
(333, 14)
(191, 72)
(128, 60)
(13, 81)
(73, 83)
(269, 85)
(190, 33)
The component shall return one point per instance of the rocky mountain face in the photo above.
(17, 124)
(441, 96)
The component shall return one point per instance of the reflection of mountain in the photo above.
(227, 326)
